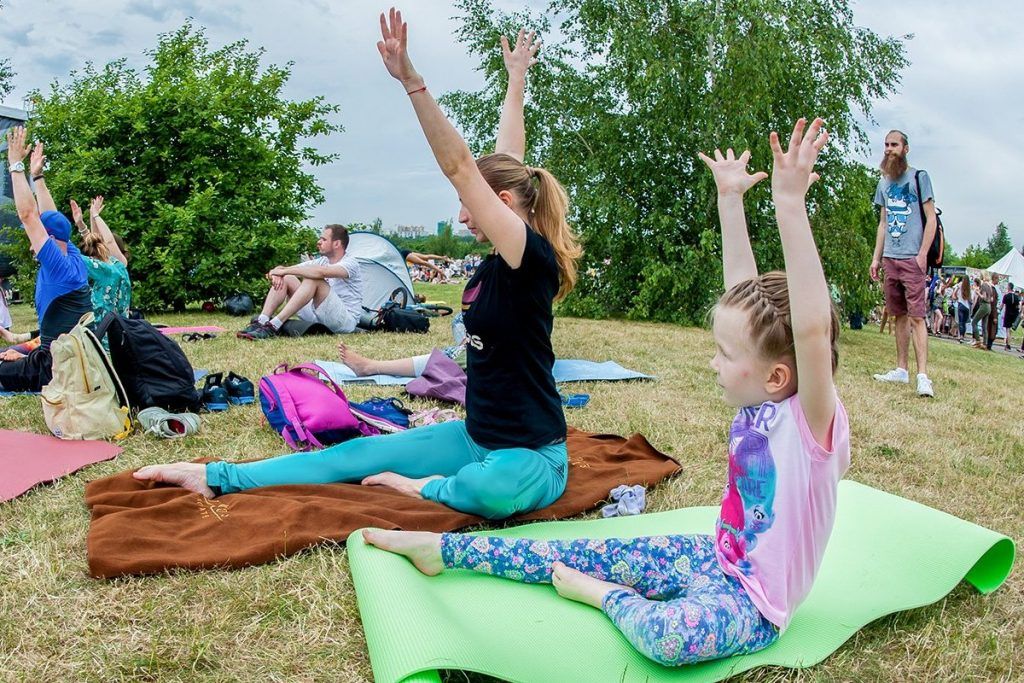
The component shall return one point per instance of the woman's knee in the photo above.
(488, 497)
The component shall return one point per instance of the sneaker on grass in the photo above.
(899, 375)
(250, 327)
(924, 385)
(262, 332)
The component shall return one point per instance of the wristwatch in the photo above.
(18, 167)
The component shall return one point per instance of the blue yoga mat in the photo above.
(564, 371)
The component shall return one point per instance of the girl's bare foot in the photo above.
(421, 547)
(404, 485)
(361, 365)
(575, 585)
(187, 475)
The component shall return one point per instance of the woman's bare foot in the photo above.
(404, 485)
(423, 548)
(11, 355)
(361, 365)
(575, 585)
(187, 475)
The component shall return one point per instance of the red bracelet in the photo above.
(413, 92)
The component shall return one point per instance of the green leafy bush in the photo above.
(200, 160)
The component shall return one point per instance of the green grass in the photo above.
(297, 619)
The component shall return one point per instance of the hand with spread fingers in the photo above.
(730, 172)
(521, 57)
(17, 150)
(394, 51)
(791, 175)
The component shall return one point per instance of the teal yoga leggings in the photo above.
(490, 483)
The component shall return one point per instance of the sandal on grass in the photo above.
(197, 336)
(167, 425)
(432, 416)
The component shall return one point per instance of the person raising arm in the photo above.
(509, 456)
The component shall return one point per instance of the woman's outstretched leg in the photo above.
(441, 449)
(363, 366)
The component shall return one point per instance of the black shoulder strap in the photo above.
(920, 203)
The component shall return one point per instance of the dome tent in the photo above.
(382, 267)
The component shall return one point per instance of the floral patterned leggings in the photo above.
(679, 607)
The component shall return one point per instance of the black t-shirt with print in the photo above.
(511, 399)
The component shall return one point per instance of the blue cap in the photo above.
(57, 225)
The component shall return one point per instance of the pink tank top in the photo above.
(779, 504)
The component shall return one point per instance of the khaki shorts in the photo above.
(331, 313)
(905, 287)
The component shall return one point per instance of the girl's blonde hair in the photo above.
(766, 300)
(547, 202)
(92, 245)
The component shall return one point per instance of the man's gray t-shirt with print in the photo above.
(904, 227)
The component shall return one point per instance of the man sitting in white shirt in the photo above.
(327, 289)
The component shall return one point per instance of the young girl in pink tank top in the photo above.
(689, 598)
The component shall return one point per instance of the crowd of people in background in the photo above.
(983, 306)
(444, 270)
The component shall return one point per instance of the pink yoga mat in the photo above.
(182, 330)
(29, 459)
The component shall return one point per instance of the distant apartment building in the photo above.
(410, 231)
(9, 117)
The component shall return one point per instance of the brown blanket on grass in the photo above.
(141, 528)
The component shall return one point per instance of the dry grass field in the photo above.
(296, 619)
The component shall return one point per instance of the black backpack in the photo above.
(393, 316)
(937, 249)
(151, 365)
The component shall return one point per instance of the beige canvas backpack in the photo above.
(85, 399)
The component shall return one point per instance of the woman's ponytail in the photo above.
(549, 218)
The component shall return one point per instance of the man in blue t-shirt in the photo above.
(62, 285)
(901, 251)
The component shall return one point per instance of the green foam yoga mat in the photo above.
(886, 554)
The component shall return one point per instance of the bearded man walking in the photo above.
(901, 252)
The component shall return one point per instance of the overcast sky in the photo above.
(960, 100)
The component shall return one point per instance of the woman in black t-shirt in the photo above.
(509, 455)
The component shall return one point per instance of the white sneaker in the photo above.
(899, 375)
(924, 385)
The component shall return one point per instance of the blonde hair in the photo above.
(547, 202)
(766, 300)
(92, 245)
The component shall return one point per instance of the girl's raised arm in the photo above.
(733, 181)
(810, 305)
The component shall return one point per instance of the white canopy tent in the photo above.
(1012, 266)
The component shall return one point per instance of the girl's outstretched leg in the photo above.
(422, 548)
(658, 567)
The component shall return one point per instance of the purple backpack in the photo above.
(305, 410)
